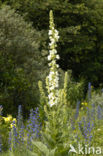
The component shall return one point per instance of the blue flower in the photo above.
(19, 117)
(13, 137)
(99, 113)
(77, 110)
(89, 91)
(33, 127)
(86, 127)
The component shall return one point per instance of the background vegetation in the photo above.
(24, 46)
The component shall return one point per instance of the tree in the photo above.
(80, 26)
(19, 58)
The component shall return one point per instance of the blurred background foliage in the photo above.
(24, 46)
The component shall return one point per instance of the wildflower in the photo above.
(19, 117)
(50, 32)
(89, 91)
(77, 109)
(13, 124)
(72, 124)
(33, 127)
(84, 103)
(86, 127)
(8, 119)
(57, 56)
(21, 134)
(14, 119)
(99, 113)
(53, 77)
(49, 57)
(13, 137)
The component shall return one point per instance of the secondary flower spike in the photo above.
(52, 80)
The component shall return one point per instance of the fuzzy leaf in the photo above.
(41, 147)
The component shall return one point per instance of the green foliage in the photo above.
(56, 134)
(97, 99)
(43, 101)
(4, 132)
(80, 26)
(74, 90)
(41, 149)
(19, 62)
(98, 135)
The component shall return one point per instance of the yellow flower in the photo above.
(14, 119)
(7, 119)
(12, 125)
(86, 103)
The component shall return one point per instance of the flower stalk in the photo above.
(52, 80)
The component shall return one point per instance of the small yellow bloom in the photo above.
(14, 119)
(82, 103)
(7, 119)
(12, 125)
(86, 103)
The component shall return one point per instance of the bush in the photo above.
(19, 57)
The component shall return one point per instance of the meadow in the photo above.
(61, 125)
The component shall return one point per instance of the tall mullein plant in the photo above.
(52, 80)
(56, 125)
(54, 133)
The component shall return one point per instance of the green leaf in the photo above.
(41, 147)
(52, 152)
(48, 139)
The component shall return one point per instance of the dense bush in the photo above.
(20, 61)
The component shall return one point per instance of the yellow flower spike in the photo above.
(82, 103)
